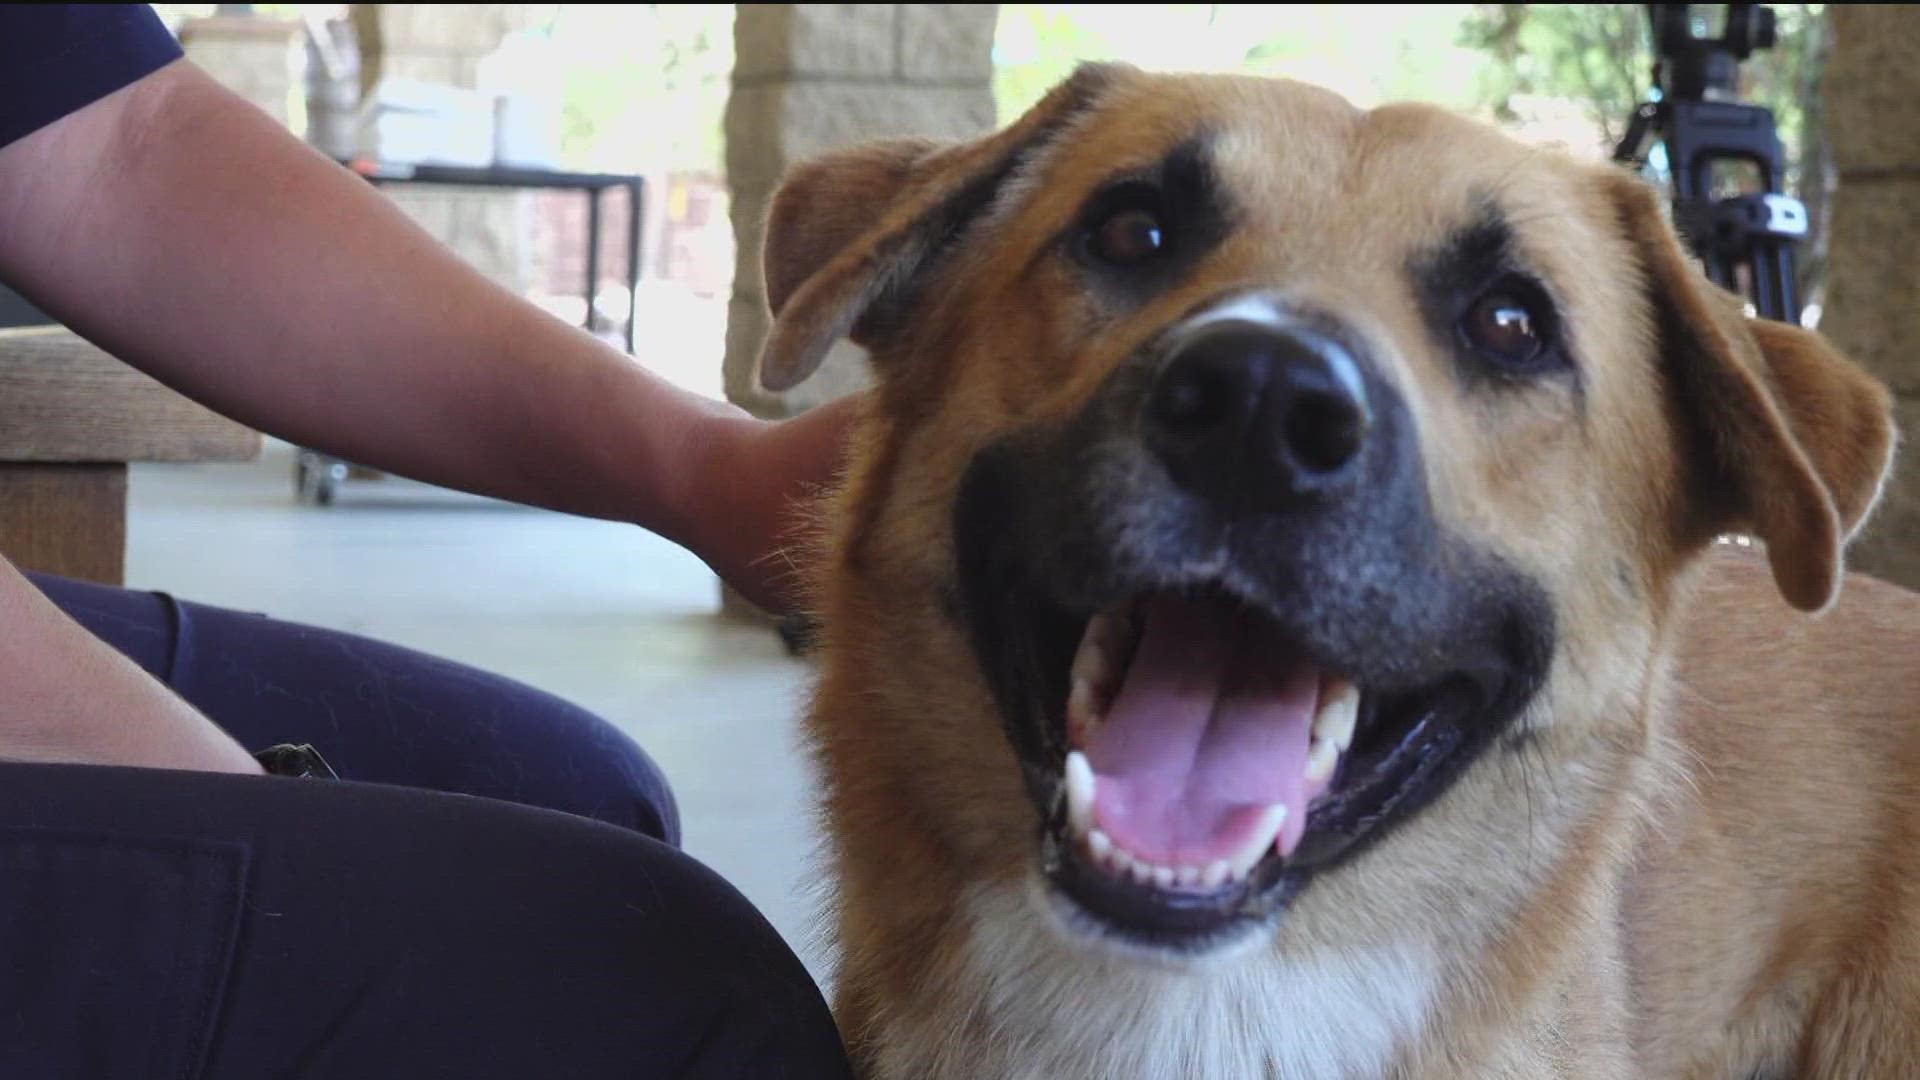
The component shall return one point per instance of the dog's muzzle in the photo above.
(1229, 640)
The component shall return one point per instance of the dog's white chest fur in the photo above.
(1032, 1008)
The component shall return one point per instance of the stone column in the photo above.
(1873, 284)
(263, 60)
(444, 44)
(811, 77)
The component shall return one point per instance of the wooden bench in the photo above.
(71, 420)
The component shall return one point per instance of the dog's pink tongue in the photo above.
(1210, 727)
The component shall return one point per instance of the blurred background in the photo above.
(644, 89)
(701, 107)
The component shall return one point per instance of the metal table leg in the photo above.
(593, 251)
(635, 205)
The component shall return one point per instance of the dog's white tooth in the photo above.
(1120, 861)
(1100, 846)
(1142, 873)
(1276, 816)
(1188, 877)
(1322, 756)
(1241, 862)
(1101, 648)
(1335, 718)
(1090, 663)
(1094, 659)
(1080, 788)
(1081, 712)
(1165, 876)
(1215, 875)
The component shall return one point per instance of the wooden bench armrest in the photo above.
(71, 419)
(63, 399)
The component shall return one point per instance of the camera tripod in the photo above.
(1746, 240)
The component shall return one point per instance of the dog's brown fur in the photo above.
(1695, 854)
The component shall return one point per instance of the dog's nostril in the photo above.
(1324, 430)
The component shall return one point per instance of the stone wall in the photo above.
(262, 60)
(444, 43)
(1873, 287)
(812, 77)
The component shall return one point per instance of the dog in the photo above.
(1330, 593)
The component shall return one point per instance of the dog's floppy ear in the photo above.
(849, 232)
(1796, 439)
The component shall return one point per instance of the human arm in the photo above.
(71, 698)
(189, 234)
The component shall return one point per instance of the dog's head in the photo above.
(1253, 482)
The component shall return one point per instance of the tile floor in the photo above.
(603, 614)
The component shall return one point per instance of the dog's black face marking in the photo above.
(1498, 320)
(1179, 202)
(1446, 641)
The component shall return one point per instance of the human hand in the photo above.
(749, 501)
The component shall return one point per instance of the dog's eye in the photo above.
(1129, 236)
(1510, 325)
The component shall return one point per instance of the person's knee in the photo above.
(412, 933)
(640, 961)
(619, 783)
(558, 756)
(744, 1003)
(417, 720)
(569, 759)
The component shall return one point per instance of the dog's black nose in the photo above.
(1260, 416)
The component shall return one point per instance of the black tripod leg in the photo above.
(1782, 289)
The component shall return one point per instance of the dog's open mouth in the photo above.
(1210, 765)
(1196, 742)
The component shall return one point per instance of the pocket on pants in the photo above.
(114, 952)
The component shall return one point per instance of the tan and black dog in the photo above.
(1274, 624)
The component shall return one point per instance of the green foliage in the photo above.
(1370, 54)
(644, 85)
(1036, 46)
(1600, 56)
(1786, 79)
(1594, 54)
(1496, 59)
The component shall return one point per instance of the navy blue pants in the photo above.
(491, 890)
